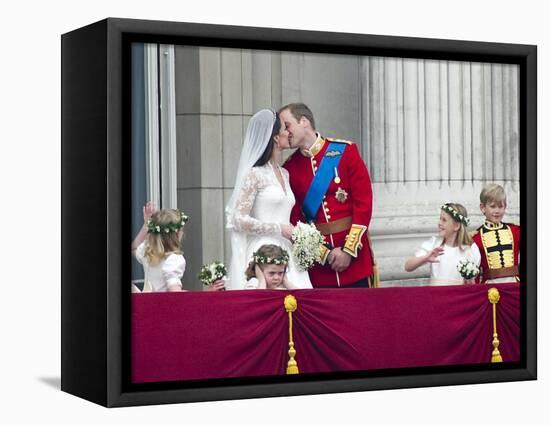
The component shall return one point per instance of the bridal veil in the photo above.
(257, 138)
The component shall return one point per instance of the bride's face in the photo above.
(282, 138)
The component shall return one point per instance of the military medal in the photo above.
(337, 179)
(341, 195)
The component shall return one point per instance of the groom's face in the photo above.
(294, 128)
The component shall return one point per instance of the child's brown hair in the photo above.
(265, 255)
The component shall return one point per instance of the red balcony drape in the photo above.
(202, 335)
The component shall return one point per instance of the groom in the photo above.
(332, 188)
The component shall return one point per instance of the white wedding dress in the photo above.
(261, 206)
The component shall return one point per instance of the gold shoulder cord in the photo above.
(291, 305)
(494, 297)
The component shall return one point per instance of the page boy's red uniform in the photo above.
(499, 248)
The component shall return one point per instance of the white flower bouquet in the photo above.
(212, 272)
(468, 269)
(306, 247)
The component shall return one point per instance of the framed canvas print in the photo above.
(253, 212)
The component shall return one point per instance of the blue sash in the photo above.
(321, 181)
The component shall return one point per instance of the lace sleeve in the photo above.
(242, 220)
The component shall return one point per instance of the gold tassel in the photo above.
(290, 306)
(376, 276)
(494, 297)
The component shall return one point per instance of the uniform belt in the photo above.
(492, 274)
(335, 226)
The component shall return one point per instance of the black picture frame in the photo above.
(95, 191)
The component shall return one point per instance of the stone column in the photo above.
(436, 131)
(217, 91)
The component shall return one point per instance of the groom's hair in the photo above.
(299, 110)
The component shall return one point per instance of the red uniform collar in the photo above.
(315, 148)
(493, 226)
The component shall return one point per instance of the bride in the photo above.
(258, 211)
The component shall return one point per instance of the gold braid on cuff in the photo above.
(324, 253)
(353, 239)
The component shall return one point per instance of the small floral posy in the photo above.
(212, 272)
(468, 269)
(155, 228)
(306, 247)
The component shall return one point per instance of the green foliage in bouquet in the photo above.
(468, 269)
(212, 272)
(306, 247)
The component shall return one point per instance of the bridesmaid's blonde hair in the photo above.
(463, 238)
(160, 245)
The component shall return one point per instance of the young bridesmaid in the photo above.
(158, 247)
(267, 270)
(444, 252)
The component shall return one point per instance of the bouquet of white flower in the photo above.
(306, 247)
(212, 272)
(468, 269)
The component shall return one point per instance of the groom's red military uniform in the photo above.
(345, 213)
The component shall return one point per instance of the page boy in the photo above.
(497, 241)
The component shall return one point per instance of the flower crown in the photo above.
(455, 214)
(157, 228)
(280, 260)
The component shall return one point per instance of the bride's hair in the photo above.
(266, 156)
